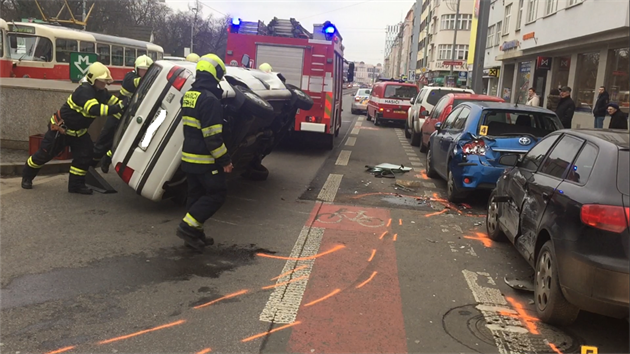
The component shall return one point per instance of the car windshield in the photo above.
(458, 101)
(506, 123)
(400, 92)
(363, 92)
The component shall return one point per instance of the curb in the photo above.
(12, 169)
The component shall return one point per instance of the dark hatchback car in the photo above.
(565, 206)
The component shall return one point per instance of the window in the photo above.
(583, 166)
(462, 117)
(86, 47)
(510, 123)
(153, 55)
(445, 51)
(437, 110)
(451, 117)
(559, 160)
(506, 19)
(535, 156)
(400, 92)
(103, 51)
(63, 49)
(142, 52)
(573, 2)
(531, 10)
(490, 40)
(130, 56)
(497, 40)
(1, 44)
(448, 22)
(585, 85)
(617, 82)
(464, 22)
(519, 16)
(30, 48)
(117, 55)
(461, 52)
(551, 7)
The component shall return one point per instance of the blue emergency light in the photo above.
(236, 21)
(329, 28)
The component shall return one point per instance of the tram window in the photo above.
(103, 53)
(130, 56)
(153, 55)
(25, 47)
(63, 49)
(117, 55)
(86, 47)
(160, 55)
(142, 52)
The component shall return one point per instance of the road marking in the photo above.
(414, 159)
(344, 158)
(416, 163)
(358, 124)
(351, 141)
(355, 131)
(330, 188)
(412, 154)
(285, 300)
(361, 119)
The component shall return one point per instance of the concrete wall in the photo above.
(26, 106)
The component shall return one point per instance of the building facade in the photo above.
(545, 44)
(367, 73)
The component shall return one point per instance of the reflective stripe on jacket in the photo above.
(87, 103)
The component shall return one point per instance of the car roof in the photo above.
(619, 138)
(510, 106)
(475, 97)
(445, 88)
(385, 83)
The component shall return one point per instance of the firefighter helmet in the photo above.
(212, 64)
(265, 67)
(143, 62)
(98, 71)
(192, 57)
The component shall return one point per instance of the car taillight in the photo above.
(380, 109)
(475, 147)
(127, 173)
(312, 119)
(605, 217)
(180, 80)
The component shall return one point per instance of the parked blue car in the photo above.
(465, 149)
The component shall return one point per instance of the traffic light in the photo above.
(350, 72)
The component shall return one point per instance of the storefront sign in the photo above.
(529, 35)
(509, 45)
(565, 64)
(452, 62)
(543, 63)
(463, 74)
(494, 72)
(447, 65)
(524, 67)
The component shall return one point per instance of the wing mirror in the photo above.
(438, 126)
(245, 60)
(509, 160)
(424, 113)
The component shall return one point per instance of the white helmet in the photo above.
(143, 62)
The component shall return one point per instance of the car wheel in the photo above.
(255, 104)
(428, 165)
(257, 173)
(415, 138)
(551, 305)
(367, 114)
(301, 99)
(407, 133)
(451, 189)
(492, 220)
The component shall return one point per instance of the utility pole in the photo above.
(480, 45)
(83, 16)
(192, 29)
(455, 37)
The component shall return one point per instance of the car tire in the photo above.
(300, 99)
(255, 104)
(257, 173)
(407, 133)
(415, 138)
(367, 115)
(492, 220)
(452, 194)
(353, 111)
(428, 165)
(550, 303)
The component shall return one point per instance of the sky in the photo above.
(361, 23)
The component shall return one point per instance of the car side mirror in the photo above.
(438, 126)
(509, 160)
(245, 60)
(424, 113)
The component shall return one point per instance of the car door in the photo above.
(442, 142)
(540, 188)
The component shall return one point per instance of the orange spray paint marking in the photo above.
(323, 298)
(395, 237)
(367, 281)
(172, 324)
(65, 349)
(269, 332)
(382, 235)
(389, 222)
(334, 249)
(399, 221)
(221, 298)
(486, 242)
(372, 256)
(289, 272)
(205, 351)
(554, 348)
(436, 213)
(524, 317)
(283, 283)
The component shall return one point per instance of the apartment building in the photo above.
(545, 44)
(366, 73)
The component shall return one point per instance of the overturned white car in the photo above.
(259, 109)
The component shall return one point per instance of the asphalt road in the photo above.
(322, 257)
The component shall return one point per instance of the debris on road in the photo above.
(478, 223)
(519, 284)
(387, 170)
(432, 241)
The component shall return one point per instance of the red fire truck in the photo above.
(312, 62)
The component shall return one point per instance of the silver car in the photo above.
(360, 101)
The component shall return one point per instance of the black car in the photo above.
(565, 207)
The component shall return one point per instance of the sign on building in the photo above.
(79, 64)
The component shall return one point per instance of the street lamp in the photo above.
(192, 29)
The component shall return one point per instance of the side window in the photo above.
(536, 155)
(437, 110)
(142, 52)
(86, 47)
(559, 160)
(63, 49)
(451, 118)
(421, 95)
(117, 55)
(130, 56)
(581, 170)
(462, 117)
(103, 51)
(153, 55)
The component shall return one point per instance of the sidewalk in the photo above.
(12, 161)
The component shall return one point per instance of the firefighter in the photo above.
(69, 127)
(192, 57)
(265, 67)
(105, 139)
(205, 158)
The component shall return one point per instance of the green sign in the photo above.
(79, 64)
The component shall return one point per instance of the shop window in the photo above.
(117, 55)
(585, 81)
(103, 51)
(86, 47)
(617, 80)
(63, 49)
(560, 73)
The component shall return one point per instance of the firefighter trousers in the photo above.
(52, 144)
(206, 194)
(105, 139)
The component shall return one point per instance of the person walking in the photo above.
(601, 107)
(566, 107)
(532, 98)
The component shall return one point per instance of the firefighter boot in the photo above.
(208, 241)
(191, 236)
(105, 162)
(76, 184)
(27, 183)
(28, 174)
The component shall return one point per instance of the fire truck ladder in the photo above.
(255, 28)
(287, 28)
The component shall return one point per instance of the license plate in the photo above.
(402, 112)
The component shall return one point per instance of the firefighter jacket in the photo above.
(130, 84)
(85, 104)
(202, 118)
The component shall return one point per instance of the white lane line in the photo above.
(355, 131)
(416, 164)
(351, 141)
(412, 154)
(414, 159)
(344, 158)
(284, 302)
(361, 119)
(330, 188)
(358, 124)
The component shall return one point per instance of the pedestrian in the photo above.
(618, 119)
(566, 107)
(205, 158)
(601, 106)
(532, 99)
(105, 139)
(552, 99)
(69, 127)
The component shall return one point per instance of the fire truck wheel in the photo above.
(301, 99)
(255, 104)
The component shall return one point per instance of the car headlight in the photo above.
(159, 118)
